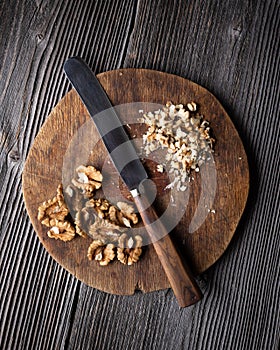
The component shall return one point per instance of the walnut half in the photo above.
(129, 249)
(122, 215)
(89, 180)
(62, 230)
(53, 213)
(54, 208)
(103, 253)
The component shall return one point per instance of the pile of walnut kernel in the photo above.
(186, 136)
(106, 223)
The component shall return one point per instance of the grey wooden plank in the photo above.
(35, 39)
(230, 48)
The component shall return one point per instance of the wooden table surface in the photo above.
(231, 48)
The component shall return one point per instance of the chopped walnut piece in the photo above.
(192, 106)
(160, 168)
(103, 253)
(129, 249)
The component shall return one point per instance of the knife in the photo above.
(133, 174)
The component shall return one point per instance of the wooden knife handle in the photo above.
(178, 273)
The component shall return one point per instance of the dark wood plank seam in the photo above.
(134, 16)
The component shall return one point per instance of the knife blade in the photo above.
(133, 174)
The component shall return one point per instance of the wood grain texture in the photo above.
(231, 48)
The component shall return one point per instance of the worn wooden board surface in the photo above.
(69, 139)
(229, 47)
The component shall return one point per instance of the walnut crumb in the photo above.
(160, 168)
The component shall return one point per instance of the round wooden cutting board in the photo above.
(201, 242)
